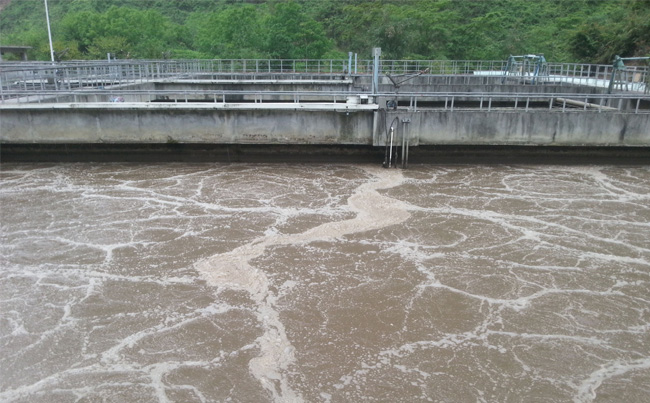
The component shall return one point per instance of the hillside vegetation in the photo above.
(590, 31)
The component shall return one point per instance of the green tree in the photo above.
(234, 32)
(117, 46)
(564, 30)
(291, 34)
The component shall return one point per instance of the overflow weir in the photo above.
(320, 110)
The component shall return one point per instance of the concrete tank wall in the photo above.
(183, 124)
(312, 124)
(521, 128)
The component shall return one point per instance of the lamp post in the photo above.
(49, 31)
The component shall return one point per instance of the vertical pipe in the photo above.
(375, 70)
(405, 163)
(403, 144)
(355, 63)
(49, 31)
(611, 82)
(349, 64)
(390, 153)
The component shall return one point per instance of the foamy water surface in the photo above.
(324, 283)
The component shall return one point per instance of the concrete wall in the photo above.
(312, 124)
(521, 128)
(184, 124)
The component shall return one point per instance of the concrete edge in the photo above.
(340, 107)
(252, 153)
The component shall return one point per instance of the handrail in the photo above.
(364, 66)
(631, 78)
(96, 91)
(563, 102)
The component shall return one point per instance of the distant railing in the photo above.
(488, 102)
(448, 101)
(223, 66)
(69, 74)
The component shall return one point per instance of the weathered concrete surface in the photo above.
(538, 128)
(292, 123)
(183, 123)
(309, 153)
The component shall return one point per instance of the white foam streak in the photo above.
(233, 270)
(587, 390)
(507, 221)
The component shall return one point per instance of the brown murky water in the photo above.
(324, 283)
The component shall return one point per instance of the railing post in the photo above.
(376, 52)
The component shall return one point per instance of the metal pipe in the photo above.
(349, 64)
(49, 31)
(390, 149)
(585, 104)
(403, 144)
(376, 52)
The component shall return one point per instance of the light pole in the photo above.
(49, 31)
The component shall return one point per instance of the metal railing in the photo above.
(323, 66)
(65, 76)
(488, 102)
(413, 102)
(43, 77)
